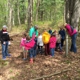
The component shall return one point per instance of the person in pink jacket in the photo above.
(52, 44)
(29, 45)
(22, 45)
(73, 34)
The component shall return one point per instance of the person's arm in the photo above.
(36, 33)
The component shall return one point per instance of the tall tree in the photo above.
(73, 12)
(18, 12)
(10, 15)
(30, 12)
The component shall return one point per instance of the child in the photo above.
(46, 38)
(40, 43)
(4, 38)
(29, 45)
(22, 44)
(58, 43)
(52, 44)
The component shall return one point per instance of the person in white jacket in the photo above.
(40, 44)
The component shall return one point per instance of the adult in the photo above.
(4, 38)
(63, 35)
(73, 34)
(33, 30)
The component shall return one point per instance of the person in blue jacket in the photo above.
(63, 35)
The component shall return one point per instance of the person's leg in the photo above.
(34, 50)
(38, 49)
(52, 51)
(41, 47)
(45, 49)
(3, 51)
(31, 53)
(6, 49)
(56, 46)
(73, 46)
(24, 54)
(48, 49)
(60, 46)
(62, 42)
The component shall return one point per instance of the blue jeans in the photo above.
(73, 44)
(62, 42)
(5, 50)
(35, 50)
(58, 45)
(52, 51)
(31, 52)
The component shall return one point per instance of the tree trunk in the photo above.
(13, 23)
(76, 14)
(73, 12)
(10, 16)
(18, 13)
(7, 8)
(37, 9)
(30, 11)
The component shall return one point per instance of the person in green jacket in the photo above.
(33, 29)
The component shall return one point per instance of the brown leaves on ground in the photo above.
(15, 68)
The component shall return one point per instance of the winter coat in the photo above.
(32, 31)
(4, 36)
(52, 42)
(70, 30)
(39, 40)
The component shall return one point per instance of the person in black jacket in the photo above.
(4, 38)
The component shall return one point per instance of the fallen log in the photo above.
(47, 76)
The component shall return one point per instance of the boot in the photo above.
(31, 60)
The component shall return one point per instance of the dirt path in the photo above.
(15, 68)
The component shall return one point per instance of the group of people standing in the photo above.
(45, 42)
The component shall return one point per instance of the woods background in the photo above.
(29, 12)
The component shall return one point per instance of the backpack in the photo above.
(72, 29)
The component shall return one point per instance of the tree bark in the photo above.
(37, 9)
(73, 12)
(10, 16)
(30, 13)
(18, 13)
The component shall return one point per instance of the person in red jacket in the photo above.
(52, 44)
(73, 34)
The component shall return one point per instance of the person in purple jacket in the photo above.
(73, 34)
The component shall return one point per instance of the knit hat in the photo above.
(4, 26)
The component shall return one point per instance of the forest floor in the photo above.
(14, 68)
